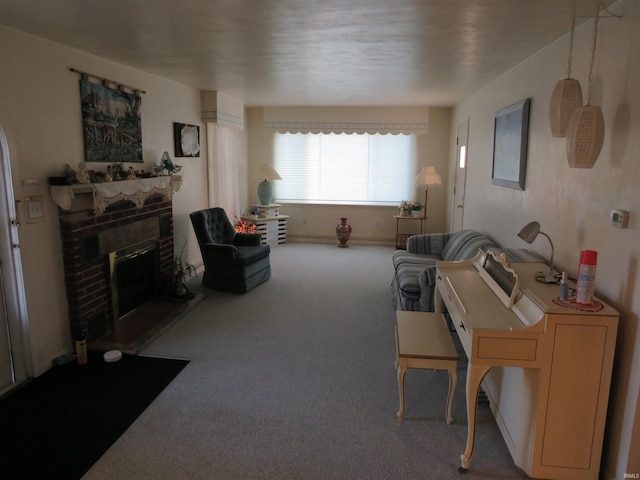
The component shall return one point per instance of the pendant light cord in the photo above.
(593, 53)
(573, 27)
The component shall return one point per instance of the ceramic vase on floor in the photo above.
(343, 232)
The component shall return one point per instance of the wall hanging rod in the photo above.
(608, 15)
(106, 81)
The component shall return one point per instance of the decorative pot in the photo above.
(180, 290)
(343, 232)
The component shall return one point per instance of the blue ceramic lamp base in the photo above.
(265, 192)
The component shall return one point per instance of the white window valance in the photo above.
(224, 119)
(216, 107)
(371, 120)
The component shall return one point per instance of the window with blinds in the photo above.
(366, 169)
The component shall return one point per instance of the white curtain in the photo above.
(225, 151)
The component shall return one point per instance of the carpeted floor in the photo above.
(58, 425)
(295, 380)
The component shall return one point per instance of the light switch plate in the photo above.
(35, 208)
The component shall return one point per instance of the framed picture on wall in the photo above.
(186, 140)
(510, 140)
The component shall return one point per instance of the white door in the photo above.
(14, 355)
(6, 366)
(460, 176)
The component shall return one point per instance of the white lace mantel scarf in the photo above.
(104, 194)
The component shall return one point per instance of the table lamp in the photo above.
(265, 189)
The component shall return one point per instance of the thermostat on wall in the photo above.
(619, 218)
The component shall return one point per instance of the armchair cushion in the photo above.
(212, 226)
(247, 239)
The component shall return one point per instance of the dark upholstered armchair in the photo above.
(233, 262)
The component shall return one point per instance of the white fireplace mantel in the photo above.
(104, 194)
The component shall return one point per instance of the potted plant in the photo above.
(167, 165)
(254, 212)
(407, 208)
(182, 270)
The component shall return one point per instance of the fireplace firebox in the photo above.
(135, 279)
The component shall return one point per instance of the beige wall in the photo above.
(40, 114)
(318, 222)
(573, 205)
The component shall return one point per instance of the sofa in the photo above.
(413, 283)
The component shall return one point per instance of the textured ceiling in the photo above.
(303, 52)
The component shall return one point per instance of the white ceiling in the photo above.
(309, 52)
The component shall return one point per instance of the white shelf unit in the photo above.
(271, 225)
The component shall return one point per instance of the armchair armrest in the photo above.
(428, 243)
(219, 250)
(247, 239)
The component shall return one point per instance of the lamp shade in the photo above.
(529, 232)
(585, 136)
(566, 97)
(428, 176)
(267, 172)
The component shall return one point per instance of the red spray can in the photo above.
(586, 277)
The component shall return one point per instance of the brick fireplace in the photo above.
(89, 239)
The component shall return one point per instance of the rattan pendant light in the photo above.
(566, 96)
(585, 133)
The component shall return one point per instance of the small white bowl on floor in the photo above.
(112, 356)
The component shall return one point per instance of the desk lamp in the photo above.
(529, 233)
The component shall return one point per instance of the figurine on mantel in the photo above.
(117, 172)
(167, 164)
(69, 174)
(81, 174)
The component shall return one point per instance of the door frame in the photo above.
(12, 276)
(457, 207)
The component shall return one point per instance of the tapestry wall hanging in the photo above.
(111, 124)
